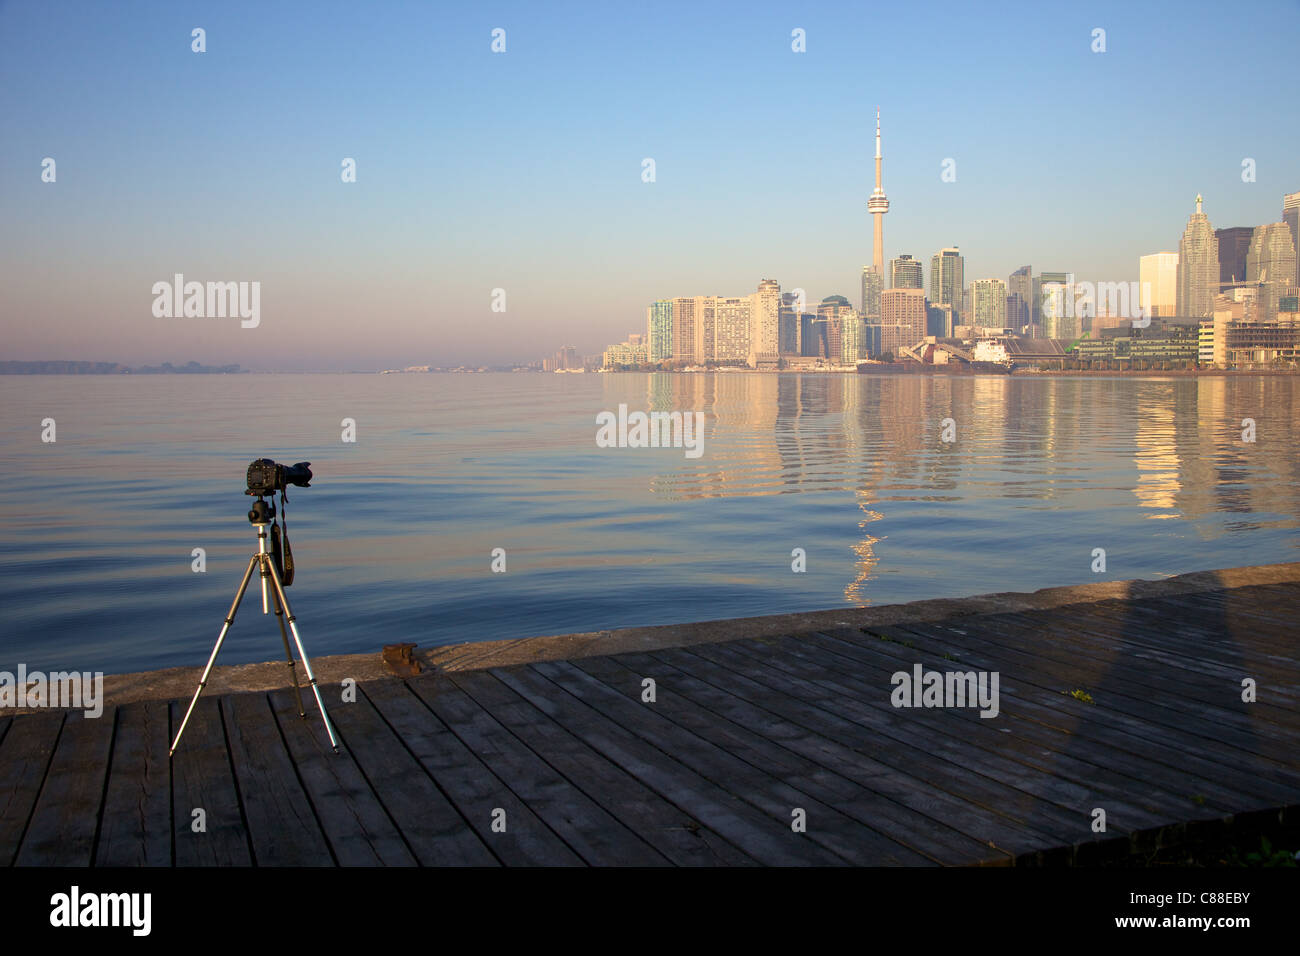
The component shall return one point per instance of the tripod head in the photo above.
(262, 512)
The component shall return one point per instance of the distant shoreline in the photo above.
(114, 368)
(111, 368)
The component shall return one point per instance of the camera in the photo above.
(266, 477)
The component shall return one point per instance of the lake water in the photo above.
(393, 541)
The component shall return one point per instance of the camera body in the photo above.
(266, 477)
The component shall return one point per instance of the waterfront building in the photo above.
(906, 309)
(990, 305)
(1020, 297)
(905, 273)
(659, 330)
(1234, 245)
(1291, 216)
(1158, 284)
(1270, 266)
(947, 280)
(1198, 266)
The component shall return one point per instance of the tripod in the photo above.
(261, 517)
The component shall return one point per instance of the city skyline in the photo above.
(229, 173)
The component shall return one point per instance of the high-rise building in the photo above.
(832, 312)
(765, 318)
(905, 273)
(1158, 284)
(732, 325)
(1198, 266)
(789, 324)
(939, 321)
(706, 323)
(1291, 216)
(1270, 265)
(853, 338)
(1056, 296)
(871, 286)
(1234, 244)
(906, 308)
(1020, 295)
(684, 330)
(659, 330)
(812, 336)
(990, 306)
(947, 280)
(877, 206)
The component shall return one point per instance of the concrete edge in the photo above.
(179, 682)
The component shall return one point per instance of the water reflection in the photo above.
(96, 531)
(1169, 450)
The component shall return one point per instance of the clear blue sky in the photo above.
(522, 170)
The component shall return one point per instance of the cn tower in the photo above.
(878, 205)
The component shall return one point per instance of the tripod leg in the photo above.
(306, 664)
(230, 619)
(288, 656)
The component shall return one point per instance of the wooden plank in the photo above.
(203, 780)
(773, 790)
(765, 837)
(434, 830)
(282, 825)
(1048, 810)
(1228, 724)
(1179, 655)
(63, 825)
(25, 755)
(484, 775)
(1033, 731)
(358, 829)
(975, 811)
(1198, 639)
(766, 742)
(674, 833)
(1188, 733)
(135, 829)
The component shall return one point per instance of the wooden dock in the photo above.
(1128, 705)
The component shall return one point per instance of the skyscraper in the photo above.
(878, 205)
(659, 330)
(1198, 266)
(732, 325)
(990, 303)
(1234, 244)
(684, 330)
(1271, 265)
(947, 280)
(1158, 284)
(1020, 293)
(905, 273)
(765, 318)
(832, 312)
(789, 324)
(871, 286)
(1056, 305)
(1291, 216)
(905, 308)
